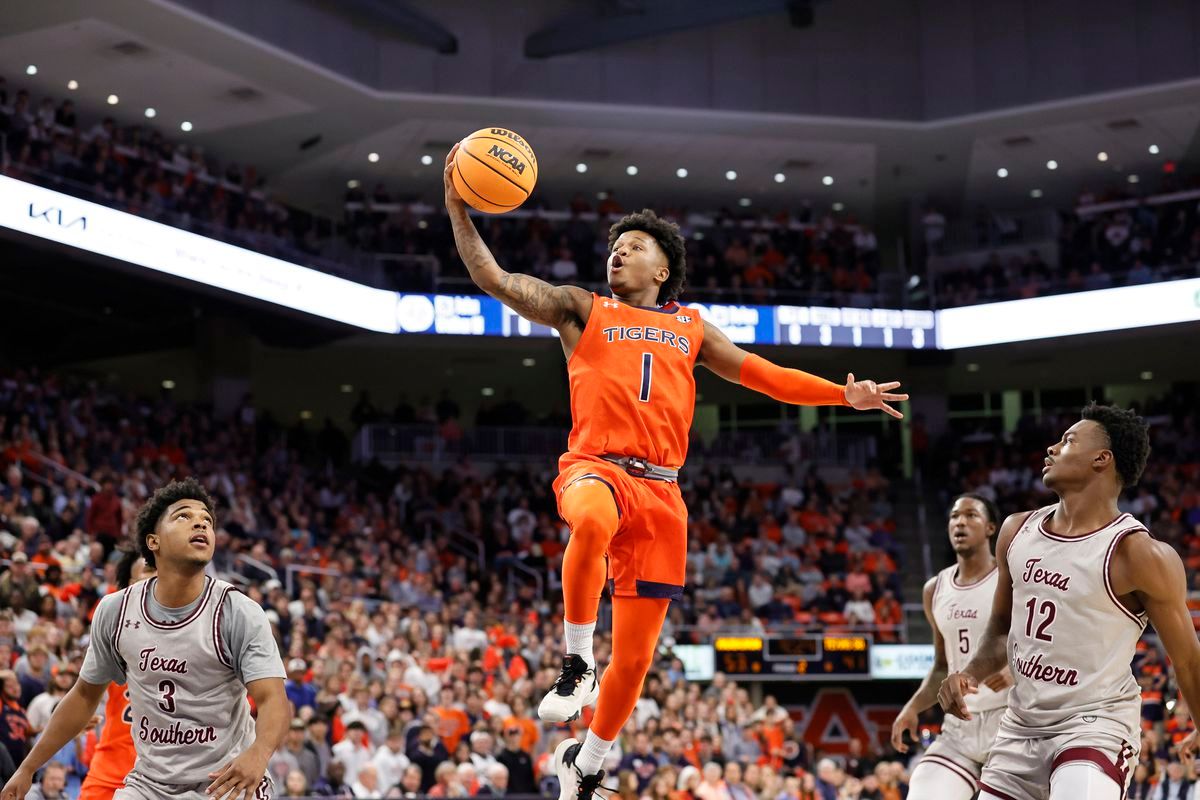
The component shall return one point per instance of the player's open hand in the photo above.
(1000, 681)
(952, 697)
(1187, 748)
(239, 778)
(906, 720)
(452, 195)
(865, 395)
(18, 785)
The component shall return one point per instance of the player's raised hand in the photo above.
(865, 395)
(952, 697)
(1187, 748)
(906, 720)
(1000, 681)
(18, 785)
(452, 195)
(239, 778)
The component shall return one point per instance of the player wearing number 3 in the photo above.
(630, 360)
(189, 647)
(1077, 582)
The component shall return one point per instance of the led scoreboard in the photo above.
(801, 657)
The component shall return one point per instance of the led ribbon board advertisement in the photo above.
(94, 228)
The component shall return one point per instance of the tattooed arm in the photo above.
(532, 298)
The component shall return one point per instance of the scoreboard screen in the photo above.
(800, 657)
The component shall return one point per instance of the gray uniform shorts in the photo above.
(138, 787)
(1021, 767)
(963, 745)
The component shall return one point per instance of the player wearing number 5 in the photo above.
(189, 647)
(630, 360)
(1077, 582)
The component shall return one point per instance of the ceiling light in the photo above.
(631, 170)
(1132, 179)
(346, 388)
(972, 367)
(827, 180)
(72, 85)
(681, 173)
(581, 167)
(372, 157)
(601, 195)
(730, 175)
(422, 224)
(351, 184)
(113, 99)
(306, 414)
(427, 159)
(1052, 164)
(487, 391)
(185, 126)
(527, 362)
(168, 384)
(744, 202)
(1153, 149)
(1036, 193)
(1002, 173)
(780, 177)
(1102, 156)
(839, 207)
(31, 70)
(1147, 375)
(151, 113)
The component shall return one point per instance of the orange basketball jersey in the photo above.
(633, 391)
(114, 754)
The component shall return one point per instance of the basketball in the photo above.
(495, 170)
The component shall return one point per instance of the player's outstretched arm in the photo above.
(926, 695)
(532, 298)
(245, 773)
(69, 719)
(1153, 572)
(736, 365)
(992, 654)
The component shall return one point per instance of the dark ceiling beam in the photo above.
(397, 19)
(619, 22)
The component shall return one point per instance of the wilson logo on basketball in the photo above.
(511, 159)
(516, 139)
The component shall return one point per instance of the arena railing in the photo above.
(63, 470)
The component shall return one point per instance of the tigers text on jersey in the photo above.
(190, 715)
(633, 391)
(961, 613)
(1071, 640)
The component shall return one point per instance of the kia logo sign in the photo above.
(54, 216)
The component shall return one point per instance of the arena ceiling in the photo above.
(257, 102)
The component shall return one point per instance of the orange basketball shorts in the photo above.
(647, 556)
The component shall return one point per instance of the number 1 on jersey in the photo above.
(647, 366)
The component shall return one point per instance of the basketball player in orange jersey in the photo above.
(1077, 582)
(114, 755)
(630, 359)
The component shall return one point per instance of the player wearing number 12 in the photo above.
(190, 648)
(630, 361)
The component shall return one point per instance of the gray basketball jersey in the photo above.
(1071, 640)
(190, 712)
(961, 613)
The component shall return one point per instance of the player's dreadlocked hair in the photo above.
(667, 234)
(993, 513)
(157, 505)
(1128, 438)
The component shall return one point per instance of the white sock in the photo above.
(579, 640)
(591, 755)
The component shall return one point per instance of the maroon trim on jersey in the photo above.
(1079, 538)
(217, 629)
(957, 585)
(995, 792)
(958, 770)
(1092, 756)
(1112, 549)
(121, 621)
(172, 626)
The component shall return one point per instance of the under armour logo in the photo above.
(610, 304)
(134, 623)
(684, 318)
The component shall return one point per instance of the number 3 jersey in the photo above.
(1071, 641)
(189, 715)
(961, 613)
(633, 391)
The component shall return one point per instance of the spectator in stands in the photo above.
(333, 784)
(53, 785)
